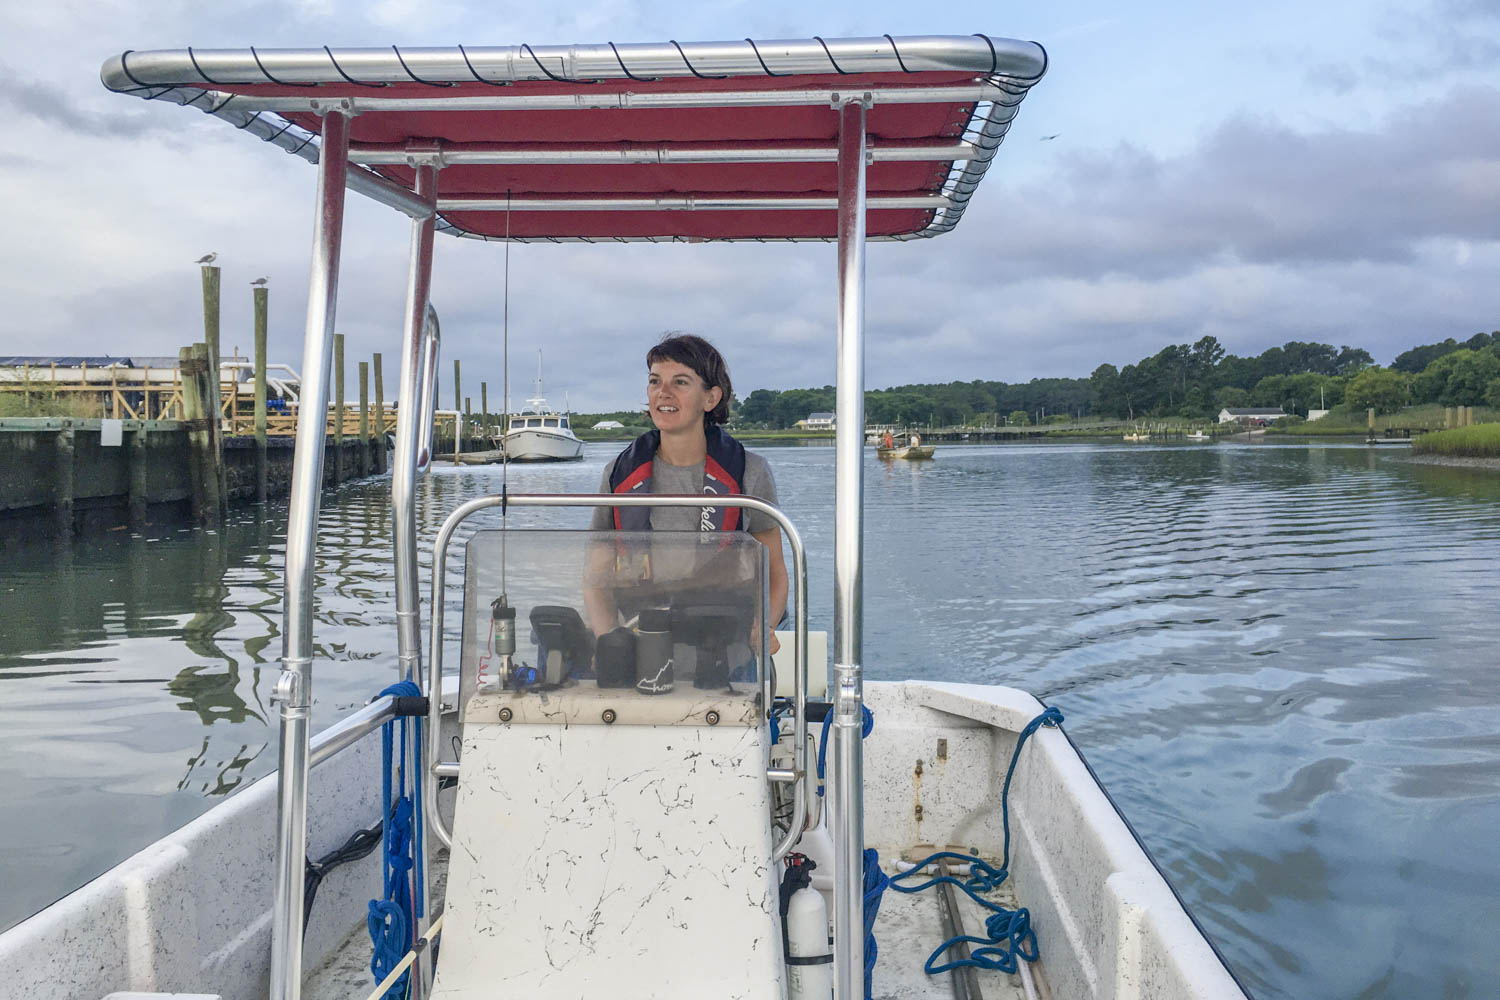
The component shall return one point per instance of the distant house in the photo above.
(1252, 415)
(817, 422)
(608, 425)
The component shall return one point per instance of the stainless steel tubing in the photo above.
(432, 342)
(294, 687)
(435, 649)
(350, 730)
(409, 421)
(390, 193)
(585, 99)
(680, 203)
(846, 783)
(537, 154)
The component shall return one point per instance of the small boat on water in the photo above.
(540, 433)
(1137, 436)
(1198, 436)
(912, 452)
(651, 810)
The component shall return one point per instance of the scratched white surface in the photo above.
(628, 861)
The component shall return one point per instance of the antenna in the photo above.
(505, 421)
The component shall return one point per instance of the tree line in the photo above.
(1182, 380)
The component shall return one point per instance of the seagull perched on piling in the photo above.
(207, 258)
(259, 283)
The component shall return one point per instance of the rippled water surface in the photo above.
(1280, 659)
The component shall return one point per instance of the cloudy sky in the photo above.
(1259, 172)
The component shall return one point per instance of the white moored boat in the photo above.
(539, 433)
(628, 811)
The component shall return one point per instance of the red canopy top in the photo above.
(723, 140)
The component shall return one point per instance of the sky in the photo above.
(1256, 172)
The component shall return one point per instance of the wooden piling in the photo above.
(1370, 416)
(211, 402)
(338, 408)
(484, 405)
(458, 394)
(140, 470)
(62, 485)
(379, 417)
(364, 418)
(203, 469)
(262, 298)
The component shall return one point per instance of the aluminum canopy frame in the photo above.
(820, 139)
(722, 140)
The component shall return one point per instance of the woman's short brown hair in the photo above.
(703, 358)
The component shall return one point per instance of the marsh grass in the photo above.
(1477, 441)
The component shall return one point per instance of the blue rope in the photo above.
(392, 919)
(1009, 932)
(876, 882)
(868, 723)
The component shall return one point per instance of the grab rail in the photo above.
(798, 775)
(352, 728)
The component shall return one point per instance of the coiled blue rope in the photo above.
(392, 920)
(1008, 932)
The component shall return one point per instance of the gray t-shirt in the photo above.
(689, 479)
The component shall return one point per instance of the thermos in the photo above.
(653, 652)
(614, 659)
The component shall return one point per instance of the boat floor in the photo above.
(907, 930)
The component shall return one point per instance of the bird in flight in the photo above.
(259, 282)
(1049, 138)
(207, 258)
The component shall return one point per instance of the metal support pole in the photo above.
(408, 429)
(294, 687)
(261, 298)
(409, 422)
(847, 786)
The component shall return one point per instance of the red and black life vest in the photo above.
(723, 475)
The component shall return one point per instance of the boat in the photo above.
(913, 452)
(1198, 436)
(1136, 436)
(627, 830)
(539, 433)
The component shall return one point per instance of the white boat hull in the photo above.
(192, 913)
(542, 446)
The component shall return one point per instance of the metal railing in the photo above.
(797, 775)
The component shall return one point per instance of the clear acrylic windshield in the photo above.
(639, 613)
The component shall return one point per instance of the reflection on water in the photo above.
(1278, 658)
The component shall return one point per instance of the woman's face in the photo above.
(677, 397)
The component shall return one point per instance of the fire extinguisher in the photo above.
(804, 928)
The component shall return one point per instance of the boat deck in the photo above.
(907, 931)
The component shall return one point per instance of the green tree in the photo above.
(1232, 397)
(1469, 378)
(1382, 388)
(1492, 394)
(1104, 384)
(1018, 418)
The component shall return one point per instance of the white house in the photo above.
(1252, 415)
(608, 425)
(817, 422)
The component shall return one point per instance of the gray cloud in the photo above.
(53, 106)
(1256, 191)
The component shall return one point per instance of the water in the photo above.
(1280, 660)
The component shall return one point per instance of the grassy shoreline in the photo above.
(1477, 441)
